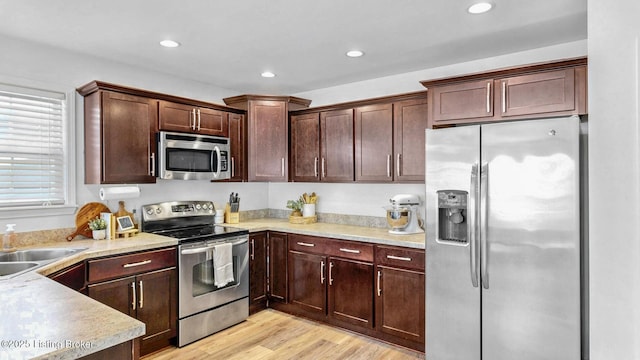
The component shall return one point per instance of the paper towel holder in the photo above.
(119, 192)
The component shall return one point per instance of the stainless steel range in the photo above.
(213, 266)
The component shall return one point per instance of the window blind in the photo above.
(32, 158)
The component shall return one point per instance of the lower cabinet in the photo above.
(351, 292)
(142, 285)
(307, 287)
(72, 277)
(267, 270)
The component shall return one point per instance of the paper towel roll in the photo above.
(118, 193)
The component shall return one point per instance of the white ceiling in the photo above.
(229, 43)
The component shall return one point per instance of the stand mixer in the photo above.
(402, 214)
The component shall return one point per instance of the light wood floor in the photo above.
(271, 334)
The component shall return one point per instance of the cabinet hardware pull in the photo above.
(133, 290)
(379, 288)
(504, 97)
(141, 302)
(321, 272)
(330, 273)
(305, 244)
(233, 167)
(398, 258)
(152, 172)
(282, 166)
(388, 165)
(193, 114)
(324, 173)
(145, 262)
(350, 251)
(488, 97)
(315, 167)
(199, 120)
(398, 159)
(253, 249)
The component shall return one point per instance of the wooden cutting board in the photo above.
(87, 212)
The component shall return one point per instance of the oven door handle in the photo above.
(211, 246)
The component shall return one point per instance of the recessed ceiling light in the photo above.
(268, 74)
(169, 43)
(354, 53)
(479, 8)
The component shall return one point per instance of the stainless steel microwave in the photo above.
(184, 156)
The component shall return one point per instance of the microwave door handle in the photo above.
(219, 159)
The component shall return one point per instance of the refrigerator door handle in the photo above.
(484, 273)
(472, 229)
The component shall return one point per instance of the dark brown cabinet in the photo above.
(351, 292)
(278, 285)
(257, 271)
(541, 90)
(119, 133)
(72, 277)
(307, 283)
(322, 146)
(374, 143)
(142, 285)
(267, 134)
(267, 270)
(409, 125)
(389, 141)
(238, 146)
(400, 295)
(192, 119)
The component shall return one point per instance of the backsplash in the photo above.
(31, 238)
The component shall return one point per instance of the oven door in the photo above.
(197, 289)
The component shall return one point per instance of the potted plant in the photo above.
(295, 206)
(98, 227)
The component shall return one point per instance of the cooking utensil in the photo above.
(87, 212)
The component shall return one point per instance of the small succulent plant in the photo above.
(97, 224)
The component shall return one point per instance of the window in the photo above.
(34, 166)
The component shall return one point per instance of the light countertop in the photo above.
(43, 319)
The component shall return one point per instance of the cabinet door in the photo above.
(156, 308)
(400, 303)
(212, 122)
(336, 149)
(238, 144)
(409, 124)
(177, 117)
(467, 100)
(118, 294)
(278, 267)
(258, 271)
(307, 282)
(268, 141)
(305, 147)
(72, 277)
(351, 292)
(374, 143)
(545, 92)
(129, 144)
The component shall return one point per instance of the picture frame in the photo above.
(124, 223)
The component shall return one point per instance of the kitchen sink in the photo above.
(11, 268)
(37, 254)
(21, 261)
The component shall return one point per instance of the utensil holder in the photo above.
(231, 217)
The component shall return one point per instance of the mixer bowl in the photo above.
(398, 217)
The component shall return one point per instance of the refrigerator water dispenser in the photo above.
(452, 216)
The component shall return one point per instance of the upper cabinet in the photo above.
(267, 134)
(389, 141)
(119, 135)
(193, 119)
(238, 147)
(543, 90)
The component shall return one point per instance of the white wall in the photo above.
(614, 179)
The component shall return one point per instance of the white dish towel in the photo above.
(223, 264)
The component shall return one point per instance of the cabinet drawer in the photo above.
(350, 250)
(400, 257)
(124, 265)
(307, 244)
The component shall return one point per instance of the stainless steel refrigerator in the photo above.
(503, 244)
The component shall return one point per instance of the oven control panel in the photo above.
(177, 209)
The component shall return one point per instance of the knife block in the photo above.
(231, 217)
